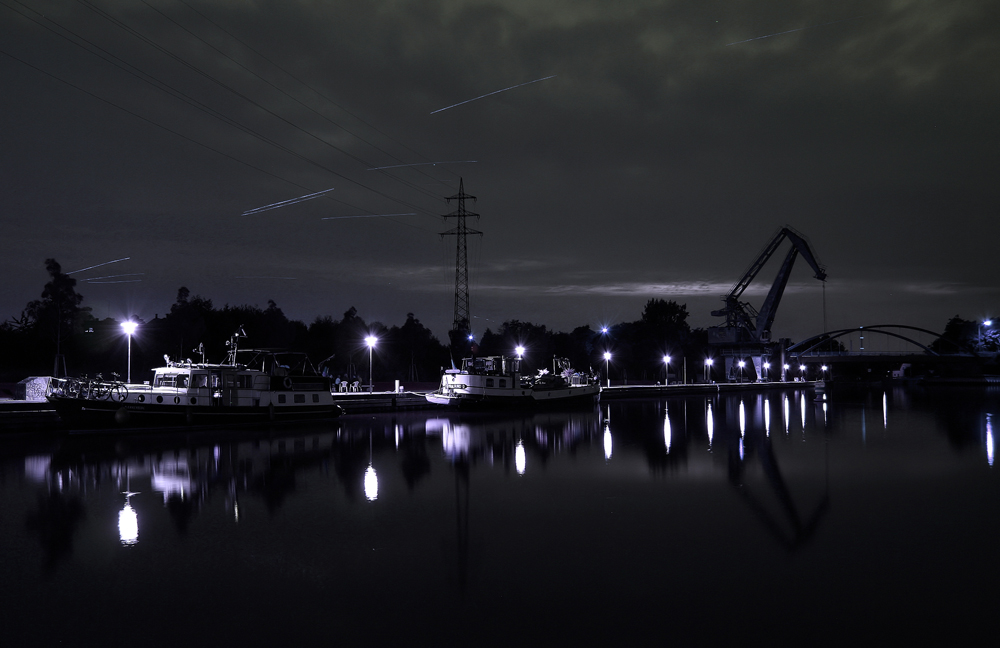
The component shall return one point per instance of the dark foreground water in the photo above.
(767, 517)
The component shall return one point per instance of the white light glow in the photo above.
(371, 341)
(128, 525)
(885, 411)
(519, 350)
(666, 430)
(129, 327)
(607, 444)
(710, 424)
(520, 461)
(989, 438)
(787, 414)
(371, 483)
(767, 417)
(743, 420)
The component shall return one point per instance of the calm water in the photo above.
(766, 516)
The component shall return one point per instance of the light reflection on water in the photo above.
(475, 511)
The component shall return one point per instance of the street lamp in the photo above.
(767, 367)
(802, 372)
(666, 370)
(784, 368)
(986, 323)
(519, 350)
(129, 327)
(371, 340)
(742, 364)
(708, 370)
(607, 366)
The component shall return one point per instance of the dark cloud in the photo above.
(656, 163)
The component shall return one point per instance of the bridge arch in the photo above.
(807, 345)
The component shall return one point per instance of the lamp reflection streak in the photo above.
(666, 429)
(709, 424)
(128, 523)
(989, 438)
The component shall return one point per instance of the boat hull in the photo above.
(91, 413)
(584, 395)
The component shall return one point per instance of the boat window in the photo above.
(244, 382)
(300, 398)
(503, 383)
(230, 380)
(489, 382)
(182, 381)
(200, 380)
(315, 398)
(281, 398)
(216, 380)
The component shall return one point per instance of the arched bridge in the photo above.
(881, 348)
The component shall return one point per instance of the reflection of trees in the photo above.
(416, 464)
(55, 521)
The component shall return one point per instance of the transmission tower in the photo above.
(462, 323)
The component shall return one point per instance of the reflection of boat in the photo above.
(496, 381)
(262, 385)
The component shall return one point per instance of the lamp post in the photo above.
(802, 372)
(519, 350)
(666, 370)
(767, 366)
(784, 369)
(371, 340)
(708, 370)
(742, 364)
(607, 366)
(129, 328)
(986, 323)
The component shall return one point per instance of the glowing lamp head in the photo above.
(471, 337)
(604, 329)
(371, 341)
(607, 355)
(786, 366)
(742, 364)
(823, 367)
(666, 359)
(767, 365)
(708, 362)
(129, 327)
(802, 367)
(988, 323)
(519, 351)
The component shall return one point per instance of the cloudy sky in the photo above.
(643, 149)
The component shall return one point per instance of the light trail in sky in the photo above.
(492, 93)
(794, 30)
(396, 166)
(282, 278)
(127, 274)
(285, 203)
(367, 216)
(115, 282)
(99, 265)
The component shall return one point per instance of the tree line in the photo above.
(57, 334)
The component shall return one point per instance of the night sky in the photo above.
(660, 146)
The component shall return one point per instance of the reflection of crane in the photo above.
(745, 327)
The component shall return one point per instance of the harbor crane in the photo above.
(747, 331)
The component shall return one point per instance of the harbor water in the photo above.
(782, 516)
